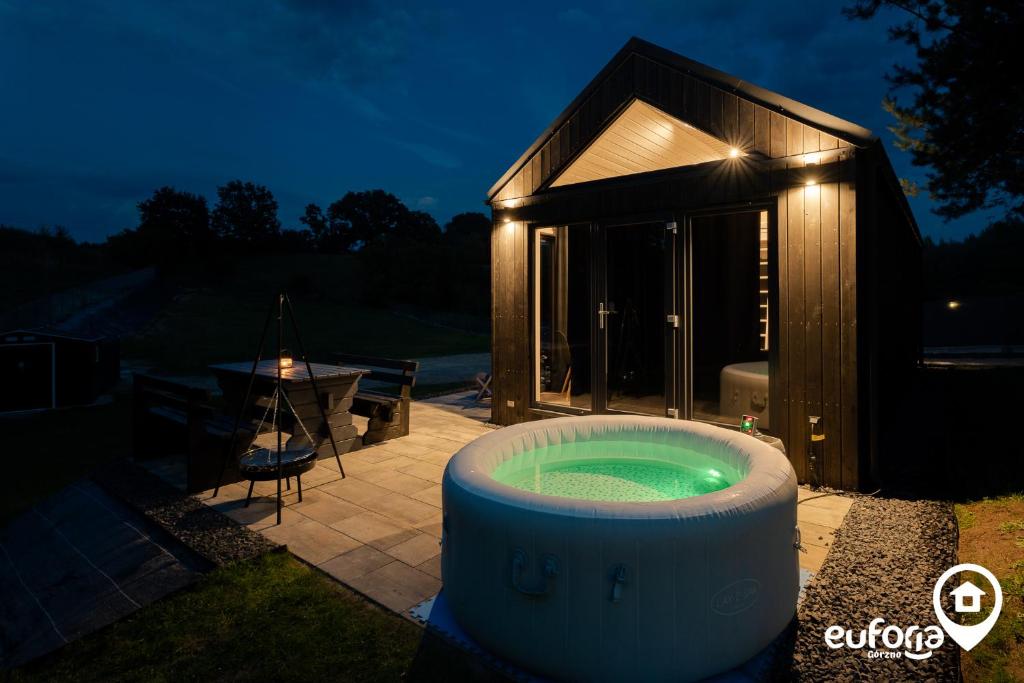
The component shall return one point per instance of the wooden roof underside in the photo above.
(640, 139)
(718, 107)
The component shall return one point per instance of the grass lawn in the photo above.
(272, 618)
(222, 323)
(992, 535)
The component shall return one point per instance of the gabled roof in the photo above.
(605, 102)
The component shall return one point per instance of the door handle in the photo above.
(603, 313)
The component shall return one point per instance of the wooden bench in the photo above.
(388, 412)
(169, 417)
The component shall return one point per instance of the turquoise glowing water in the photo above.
(591, 471)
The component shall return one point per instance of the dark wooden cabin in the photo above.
(682, 243)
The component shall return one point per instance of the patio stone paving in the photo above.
(378, 530)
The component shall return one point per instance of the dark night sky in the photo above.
(104, 101)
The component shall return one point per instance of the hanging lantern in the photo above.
(285, 359)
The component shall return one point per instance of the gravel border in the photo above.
(210, 534)
(884, 563)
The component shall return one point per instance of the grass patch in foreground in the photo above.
(993, 537)
(271, 618)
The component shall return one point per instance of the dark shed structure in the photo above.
(681, 242)
(53, 369)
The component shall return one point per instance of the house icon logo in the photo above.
(968, 597)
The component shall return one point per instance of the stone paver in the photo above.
(356, 563)
(397, 586)
(416, 550)
(312, 541)
(378, 530)
(375, 530)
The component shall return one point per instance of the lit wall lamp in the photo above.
(812, 159)
(734, 152)
(953, 304)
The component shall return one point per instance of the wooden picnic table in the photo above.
(336, 384)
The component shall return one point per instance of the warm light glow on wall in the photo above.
(812, 159)
(811, 183)
(733, 152)
(507, 220)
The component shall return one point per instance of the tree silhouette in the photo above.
(246, 214)
(466, 258)
(965, 120)
(313, 218)
(173, 227)
(360, 219)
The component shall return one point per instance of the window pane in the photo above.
(730, 317)
(636, 327)
(562, 316)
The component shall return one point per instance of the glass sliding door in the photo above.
(562, 316)
(632, 314)
(729, 294)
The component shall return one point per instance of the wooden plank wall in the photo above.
(510, 329)
(816, 368)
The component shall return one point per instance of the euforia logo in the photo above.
(915, 642)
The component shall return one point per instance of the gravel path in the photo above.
(884, 563)
(210, 534)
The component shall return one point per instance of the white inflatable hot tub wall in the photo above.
(592, 590)
(743, 390)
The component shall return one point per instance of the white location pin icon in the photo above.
(967, 636)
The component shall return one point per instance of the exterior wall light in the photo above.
(953, 304)
(811, 182)
(734, 152)
(507, 221)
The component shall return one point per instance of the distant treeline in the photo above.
(981, 265)
(403, 255)
(35, 264)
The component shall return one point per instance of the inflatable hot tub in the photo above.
(620, 548)
(743, 390)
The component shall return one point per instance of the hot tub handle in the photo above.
(618, 581)
(549, 570)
